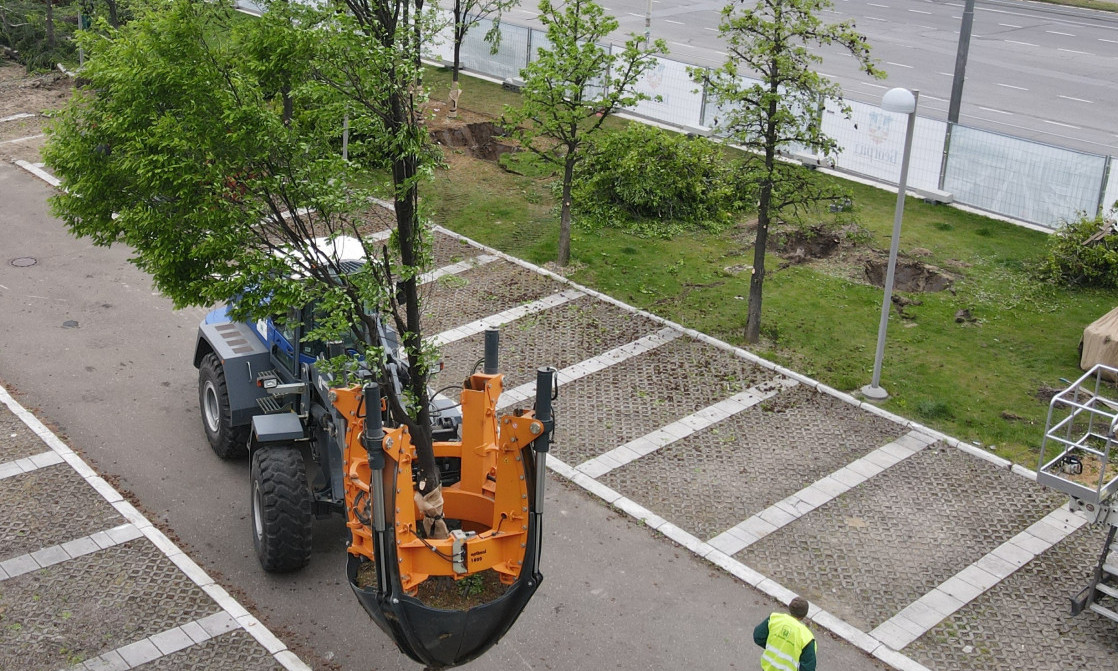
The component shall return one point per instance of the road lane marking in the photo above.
(1056, 32)
(1062, 125)
(1011, 86)
(678, 23)
(1073, 51)
(1078, 100)
(1008, 25)
(899, 65)
(991, 109)
(1025, 44)
(919, 11)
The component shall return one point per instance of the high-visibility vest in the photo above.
(787, 638)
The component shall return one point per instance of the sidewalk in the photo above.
(87, 582)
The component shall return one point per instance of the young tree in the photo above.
(572, 87)
(180, 150)
(770, 39)
(467, 14)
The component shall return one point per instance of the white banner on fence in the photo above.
(1022, 179)
(680, 101)
(871, 143)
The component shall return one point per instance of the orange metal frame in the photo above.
(490, 499)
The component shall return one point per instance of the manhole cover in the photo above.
(23, 261)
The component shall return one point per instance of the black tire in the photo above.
(281, 509)
(227, 441)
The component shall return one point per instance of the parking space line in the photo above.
(505, 317)
(592, 365)
(792, 508)
(137, 526)
(455, 268)
(682, 428)
(922, 615)
(28, 464)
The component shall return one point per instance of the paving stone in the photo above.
(49, 506)
(16, 440)
(687, 482)
(90, 605)
(486, 290)
(575, 331)
(871, 552)
(233, 650)
(1025, 618)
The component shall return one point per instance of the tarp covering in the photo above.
(1100, 342)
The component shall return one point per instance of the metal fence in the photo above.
(1028, 181)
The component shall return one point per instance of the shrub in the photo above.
(1077, 257)
(653, 182)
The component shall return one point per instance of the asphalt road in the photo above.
(1035, 70)
(87, 345)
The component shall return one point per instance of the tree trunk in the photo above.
(50, 24)
(114, 17)
(757, 279)
(565, 212)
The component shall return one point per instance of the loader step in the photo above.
(1107, 589)
(1104, 611)
(270, 404)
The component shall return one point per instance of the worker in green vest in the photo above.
(789, 645)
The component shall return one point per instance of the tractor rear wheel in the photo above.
(281, 509)
(227, 441)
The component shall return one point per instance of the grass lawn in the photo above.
(982, 381)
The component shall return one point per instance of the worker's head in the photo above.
(798, 608)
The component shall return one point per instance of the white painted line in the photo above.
(1074, 51)
(1024, 44)
(922, 615)
(593, 365)
(824, 490)
(56, 554)
(678, 23)
(1078, 100)
(456, 268)
(899, 65)
(15, 117)
(918, 11)
(1008, 25)
(874, 4)
(139, 652)
(1056, 32)
(874, 18)
(1103, 39)
(479, 325)
(24, 139)
(682, 428)
(990, 109)
(29, 464)
(946, 74)
(40, 173)
(1011, 86)
(1062, 125)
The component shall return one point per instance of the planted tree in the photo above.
(218, 163)
(467, 14)
(572, 87)
(770, 40)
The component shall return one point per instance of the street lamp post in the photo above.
(902, 101)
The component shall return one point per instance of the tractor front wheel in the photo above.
(227, 441)
(281, 509)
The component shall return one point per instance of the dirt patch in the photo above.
(24, 100)
(470, 132)
(444, 591)
(803, 245)
(910, 275)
